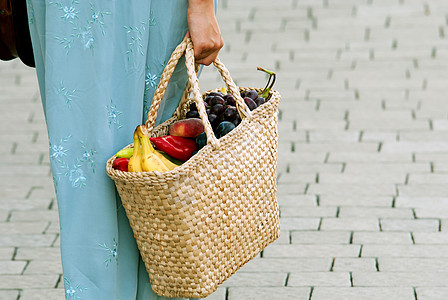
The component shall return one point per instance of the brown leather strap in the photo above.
(8, 48)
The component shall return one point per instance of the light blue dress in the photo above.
(98, 64)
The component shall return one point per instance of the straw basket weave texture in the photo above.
(197, 224)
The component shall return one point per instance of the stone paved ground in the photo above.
(363, 154)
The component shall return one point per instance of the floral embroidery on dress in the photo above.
(58, 151)
(73, 291)
(152, 79)
(84, 25)
(113, 114)
(111, 252)
(67, 95)
(74, 172)
(135, 44)
(152, 19)
(151, 82)
(67, 43)
(77, 177)
(97, 17)
(85, 35)
(68, 12)
(88, 156)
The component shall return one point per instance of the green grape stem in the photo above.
(269, 85)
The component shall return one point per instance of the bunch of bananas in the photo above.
(147, 158)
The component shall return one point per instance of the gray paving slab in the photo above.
(363, 153)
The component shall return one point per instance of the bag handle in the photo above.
(163, 83)
(185, 95)
(186, 48)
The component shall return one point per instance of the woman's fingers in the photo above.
(206, 54)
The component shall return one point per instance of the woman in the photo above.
(98, 64)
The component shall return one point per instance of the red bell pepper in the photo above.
(175, 146)
(121, 164)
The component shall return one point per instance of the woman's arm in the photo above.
(204, 30)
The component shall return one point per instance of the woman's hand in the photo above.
(204, 31)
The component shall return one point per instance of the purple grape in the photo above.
(250, 103)
(192, 114)
(193, 107)
(217, 109)
(230, 100)
(237, 120)
(252, 94)
(259, 101)
(208, 100)
(216, 94)
(217, 100)
(229, 113)
(213, 119)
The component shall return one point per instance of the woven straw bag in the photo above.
(197, 224)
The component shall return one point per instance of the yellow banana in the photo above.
(151, 159)
(168, 163)
(128, 152)
(135, 162)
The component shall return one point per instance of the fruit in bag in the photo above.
(188, 128)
